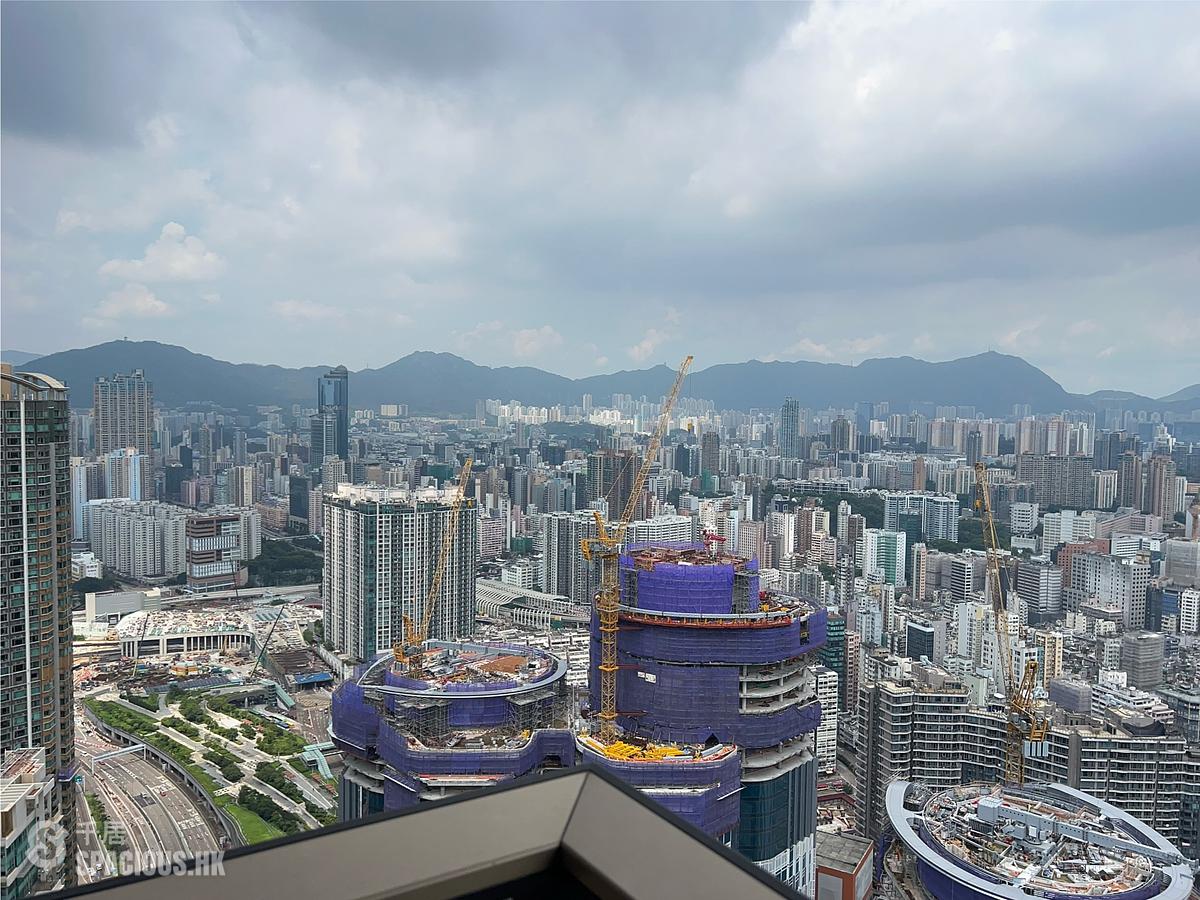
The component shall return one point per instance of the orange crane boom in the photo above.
(1023, 724)
(607, 547)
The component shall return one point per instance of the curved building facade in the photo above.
(1002, 842)
(706, 659)
(485, 713)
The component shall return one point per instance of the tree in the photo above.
(95, 585)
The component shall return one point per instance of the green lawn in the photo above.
(254, 828)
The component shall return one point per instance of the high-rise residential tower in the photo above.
(1160, 487)
(35, 605)
(610, 478)
(564, 570)
(124, 413)
(1129, 480)
(381, 546)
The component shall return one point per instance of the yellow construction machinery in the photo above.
(411, 650)
(1025, 727)
(606, 547)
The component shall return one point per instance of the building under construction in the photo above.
(480, 714)
(715, 676)
(1040, 840)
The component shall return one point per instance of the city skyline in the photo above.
(585, 196)
(352, 469)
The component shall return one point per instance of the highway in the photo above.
(154, 813)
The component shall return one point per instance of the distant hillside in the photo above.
(17, 357)
(445, 383)
(1191, 393)
(179, 375)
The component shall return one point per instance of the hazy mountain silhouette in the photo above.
(444, 383)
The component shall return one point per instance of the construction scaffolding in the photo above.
(702, 787)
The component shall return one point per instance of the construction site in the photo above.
(701, 694)
(717, 698)
(476, 714)
(1038, 840)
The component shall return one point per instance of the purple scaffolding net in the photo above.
(712, 805)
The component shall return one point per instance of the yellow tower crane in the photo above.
(606, 547)
(411, 649)
(1023, 723)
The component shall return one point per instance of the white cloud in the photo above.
(807, 348)
(144, 199)
(160, 134)
(482, 331)
(862, 345)
(212, 299)
(533, 341)
(923, 342)
(1082, 327)
(643, 349)
(175, 256)
(1023, 336)
(305, 311)
(133, 301)
(601, 361)
(1106, 352)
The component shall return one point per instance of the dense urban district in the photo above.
(907, 648)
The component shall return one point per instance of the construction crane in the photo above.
(410, 650)
(606, 546)
(1022, 722)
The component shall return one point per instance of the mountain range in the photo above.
(444, 383)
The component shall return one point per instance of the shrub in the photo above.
(150, 703)
(269, 811)
(272, 773)
(182, 726)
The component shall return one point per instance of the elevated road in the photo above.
(153, 813)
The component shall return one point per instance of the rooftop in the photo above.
(841, 851)
(1044, 840)
(457, 667)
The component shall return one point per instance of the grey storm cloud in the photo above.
(588, 186)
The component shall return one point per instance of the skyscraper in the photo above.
(974, 447)
(1160, 487)
(789, 429)
(841, 437)
(710, 453)
(883, 552)
(330, 427)
(564, 570)
(610, 477)
(1057, 480)
(124, 413)
(1129, 480)
(87, 483)
(919, 574)
(128, 473)
(381, 546)
(36, 696)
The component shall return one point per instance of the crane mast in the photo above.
(410, 650)
(607, 547)
(1022, 722)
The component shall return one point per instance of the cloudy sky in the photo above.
(593, 187)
